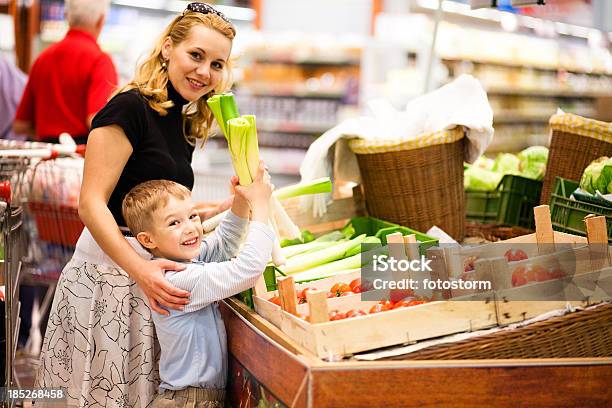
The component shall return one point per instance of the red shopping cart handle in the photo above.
(5, 191)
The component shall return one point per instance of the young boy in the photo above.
(162, 217)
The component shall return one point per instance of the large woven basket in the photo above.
(586, 333)
(575, 142)
(417, 183)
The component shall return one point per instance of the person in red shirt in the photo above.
(70, 81)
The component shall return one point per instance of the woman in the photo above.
(100, 343)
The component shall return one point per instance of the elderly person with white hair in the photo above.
(70, 81)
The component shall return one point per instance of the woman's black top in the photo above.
(160, 150)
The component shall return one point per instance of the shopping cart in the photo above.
(38, 201)
(12, 248)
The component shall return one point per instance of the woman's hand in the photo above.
(157, 289)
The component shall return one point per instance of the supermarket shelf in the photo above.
(510, 64)
(282, 140)
(510, 117)
(314, 61)
(507, 119)
(293, 92)
(293, 127)
(560, 93)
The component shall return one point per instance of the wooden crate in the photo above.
(275, 363)
(471, 311)
(332, 339)
(585, 268)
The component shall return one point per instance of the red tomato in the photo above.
(275, 300)
(382, 306)
(366, 285)
(340, 288)
(401, 303)
(377, 308)
(515, 255)
(530, 273)
(556, 272)
(355, 282)
(357, 289)
(336, 315)
(355, 313)
(305, 291)
(468, 263)
(399, 294)
(519, 277)
(330, 295)
(541, 274)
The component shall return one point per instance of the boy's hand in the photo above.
(240, 206)
(258, 193)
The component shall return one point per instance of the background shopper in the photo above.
(71, 80)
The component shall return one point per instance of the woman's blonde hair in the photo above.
(151, 77)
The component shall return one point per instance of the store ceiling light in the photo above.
(176, 6)
(492, 14)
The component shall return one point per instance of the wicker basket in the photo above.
(586, 333)
(416, 184)
(574, 143)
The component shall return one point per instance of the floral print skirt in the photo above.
(100, 341)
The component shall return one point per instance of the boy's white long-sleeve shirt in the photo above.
(193, 341)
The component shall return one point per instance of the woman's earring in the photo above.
(164, 65)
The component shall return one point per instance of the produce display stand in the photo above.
(262, 356)
(282, 359)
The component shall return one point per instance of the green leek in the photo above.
(318, 186)
(294, 250)
(307, 276)
(302, 262)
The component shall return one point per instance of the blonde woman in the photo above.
(100, 342)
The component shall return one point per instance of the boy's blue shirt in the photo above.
(193, 341)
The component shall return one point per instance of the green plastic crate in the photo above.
(482, 206)
(568, 215)
(518, 196)
(362, 225)
(510, 204)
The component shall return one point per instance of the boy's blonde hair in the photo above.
(140, 203)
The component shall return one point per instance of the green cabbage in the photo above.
(506, 163)
(484, 162)
(533, 162)
(598, 176)
(479, 179)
